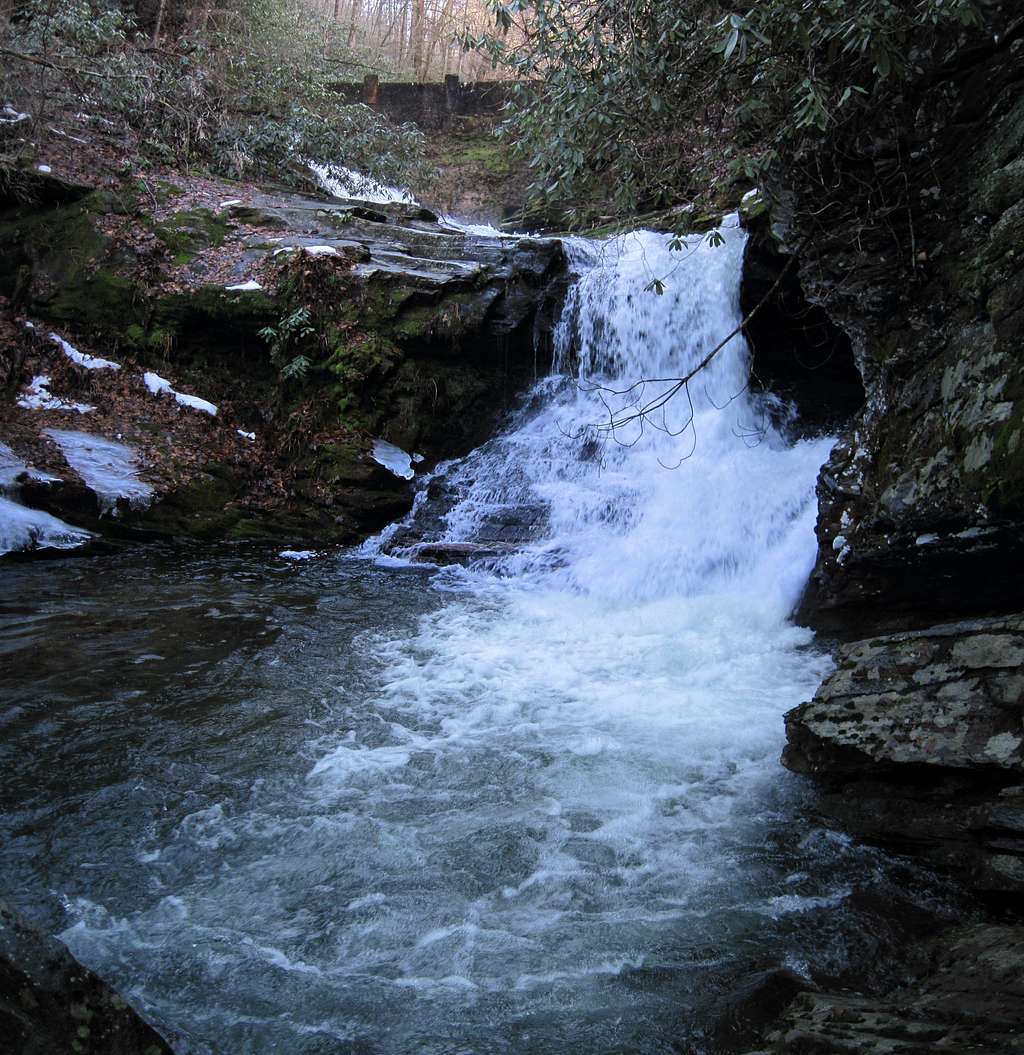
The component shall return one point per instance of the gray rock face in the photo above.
(972, 1000)
(918, 742)
(921, 506)
(51, 1003)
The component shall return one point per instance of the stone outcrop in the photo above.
(922, 502)
(421, 333)
(916, 739)
(50, 1003)
(918, 742)
(970, 1000)
(912, 245)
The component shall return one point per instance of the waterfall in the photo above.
(700, 495)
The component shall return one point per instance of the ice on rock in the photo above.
(38, 397)
(108, 468)
(90, 362)
(297, 554)
(158, 385)
(26, 529)
(11, 467)
(393, 459)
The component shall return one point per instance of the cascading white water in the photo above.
(702, 495)
(539, 816)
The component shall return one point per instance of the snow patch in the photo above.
(44, 169)
(231, 201)
(90, 362)
(393, 459)
(750, 195)
(974, 532)
(108, 468)
(158, 385)
(926, 540)
(195, 403)
(344, 182)
(312, 250)
(12, 116)
(246, 435)
(38, 397)
(482, 230)
(245, 287)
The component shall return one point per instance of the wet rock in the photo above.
(444, 553)
(751, 1004)
(970, 1000)
(51, 1003)
(918, 742)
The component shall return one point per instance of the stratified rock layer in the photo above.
(918, 742)
(50, 1003)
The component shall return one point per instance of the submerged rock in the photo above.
(918, 742)
(50, 1003)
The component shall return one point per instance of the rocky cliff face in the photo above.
(414, 331)
(917, 737)
(916, 741)
(921, 503)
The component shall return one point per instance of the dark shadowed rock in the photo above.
(444, 553)
(971, 1000)
(918, 742)
(50, 1003)
(921, 506)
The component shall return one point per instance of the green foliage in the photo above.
(285, 338)
(631, 104)
(249, 97)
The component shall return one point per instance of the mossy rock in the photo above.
(188, 232)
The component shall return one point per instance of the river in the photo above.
(353, 804)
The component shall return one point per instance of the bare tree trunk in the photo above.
(402, 39)
(356, 5)
(158, 25)
(418, 33)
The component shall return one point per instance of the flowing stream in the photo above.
(355, 805)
